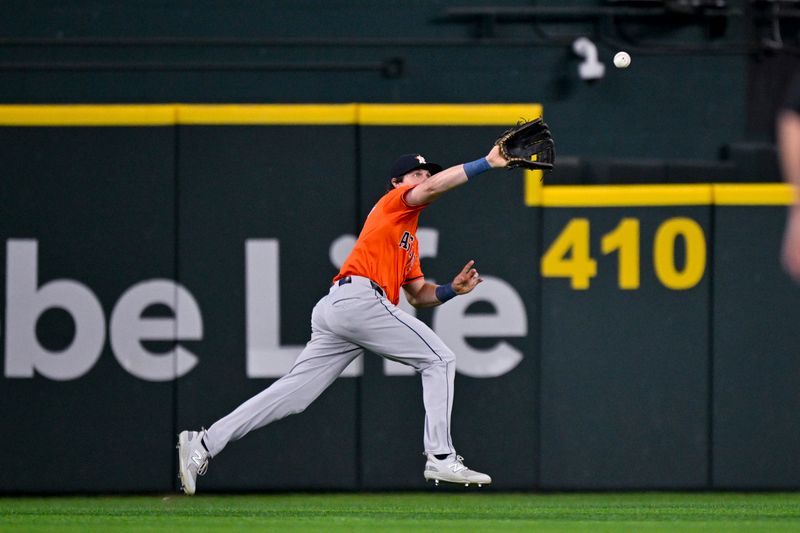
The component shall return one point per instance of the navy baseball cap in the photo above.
(408, 162)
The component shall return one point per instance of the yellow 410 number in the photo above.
(569, 256)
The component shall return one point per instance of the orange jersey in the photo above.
(386, 250)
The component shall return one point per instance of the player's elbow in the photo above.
(412, 300)
(415, 300)
(424, 193)
(423, 304)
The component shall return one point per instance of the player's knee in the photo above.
(447, 355)
(298, 404)
(296, 410)
(442, 357)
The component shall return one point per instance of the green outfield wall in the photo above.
(161, 263)
(696, 84)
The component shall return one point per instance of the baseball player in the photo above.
(360, 313)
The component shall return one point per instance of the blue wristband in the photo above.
(473, 168)
(445, 292)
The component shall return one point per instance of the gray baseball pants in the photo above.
(350, 318)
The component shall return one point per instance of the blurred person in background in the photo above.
(788, 133)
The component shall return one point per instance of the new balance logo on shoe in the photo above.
(197, 457)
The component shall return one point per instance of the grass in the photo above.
(443, 511)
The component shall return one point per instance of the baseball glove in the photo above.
(528, 145)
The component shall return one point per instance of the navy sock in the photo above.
(441, 456)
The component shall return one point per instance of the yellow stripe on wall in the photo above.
(288, 114)
(87, 115)
(655, 195)
(264, 114)
(533, 187)
(503, 115)
(446, 114)
(754, 194)
(624, 195)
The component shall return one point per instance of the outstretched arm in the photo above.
(421, 293)
(449, 178)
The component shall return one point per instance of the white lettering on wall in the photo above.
(454, 326)
(265, 356)
(25, 303)
(128, 329)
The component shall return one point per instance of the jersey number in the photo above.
(406, 240)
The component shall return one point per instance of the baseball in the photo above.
(622, 60)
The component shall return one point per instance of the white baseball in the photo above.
(622, 60)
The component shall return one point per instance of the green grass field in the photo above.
(442, 511)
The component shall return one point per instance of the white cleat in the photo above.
(192, 459)
(451, 469)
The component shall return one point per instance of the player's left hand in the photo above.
(467, 279)
(495, 158)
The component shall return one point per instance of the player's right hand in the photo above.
(467, 279)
